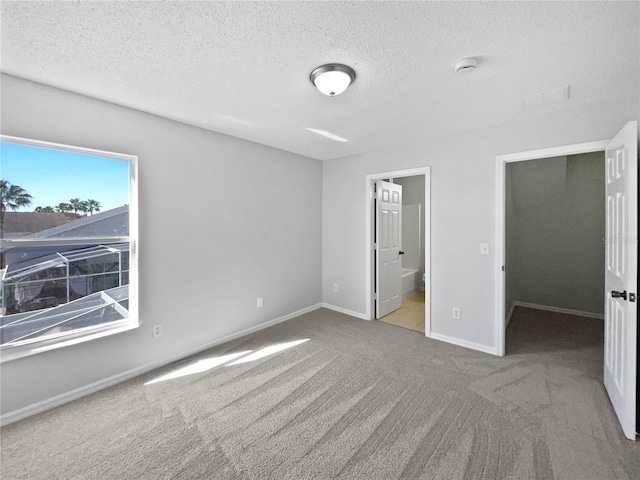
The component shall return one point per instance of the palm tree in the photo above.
(64, 207)
(76, 205)
(92, 205)
(13, 197)
(44, 209)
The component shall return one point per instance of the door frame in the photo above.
(500, 234)
(370, 236)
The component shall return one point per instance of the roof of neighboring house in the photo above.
(19, 224)
(78, 223)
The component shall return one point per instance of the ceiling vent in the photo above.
(547, 98)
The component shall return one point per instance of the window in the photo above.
(68, 232)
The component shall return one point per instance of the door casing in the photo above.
(370, 235)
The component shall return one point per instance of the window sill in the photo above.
(9, 354)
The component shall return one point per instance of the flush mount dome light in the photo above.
(332, 79)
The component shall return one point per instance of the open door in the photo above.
(388, 241)
(620, 338)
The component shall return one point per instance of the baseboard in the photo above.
(511, 310)
(464, 343)
(408, 293)
(67, 397)
(568, 311)
(345, 311)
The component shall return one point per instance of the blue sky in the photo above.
(55, 176)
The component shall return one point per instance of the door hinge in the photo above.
(503, 268)
(375, 296)
(375, 246)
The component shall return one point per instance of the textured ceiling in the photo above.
(243, 68)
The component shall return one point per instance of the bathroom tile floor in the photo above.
(410, 315)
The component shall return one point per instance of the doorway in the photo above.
(423, 264)
(621, 241)
(501, 213)
(555, 230)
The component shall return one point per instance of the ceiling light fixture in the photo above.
(466, 65)
(332, 79)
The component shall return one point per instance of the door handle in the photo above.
(400, 252)
(616, 294)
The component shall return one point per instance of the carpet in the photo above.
(326, 396)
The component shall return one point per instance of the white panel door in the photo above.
(621, 276)
(388, 241)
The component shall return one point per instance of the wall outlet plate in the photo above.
(456, 313)
(335, 288)
(260, 302)
(156, 330)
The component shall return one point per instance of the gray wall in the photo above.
(463, 172)
(559, 223)
(222, 221)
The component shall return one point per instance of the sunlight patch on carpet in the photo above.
(265, 352)
(198, 367)
(209, 363)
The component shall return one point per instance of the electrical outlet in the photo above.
(335, 288)
(156, 330)
(456, 313)
(260, 302)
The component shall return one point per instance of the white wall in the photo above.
(413, 194)
(463, 169)
(222, 221)
(557, 248)
(411, 236)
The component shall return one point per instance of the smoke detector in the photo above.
(466, 65)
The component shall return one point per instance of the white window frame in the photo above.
(72, 337)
